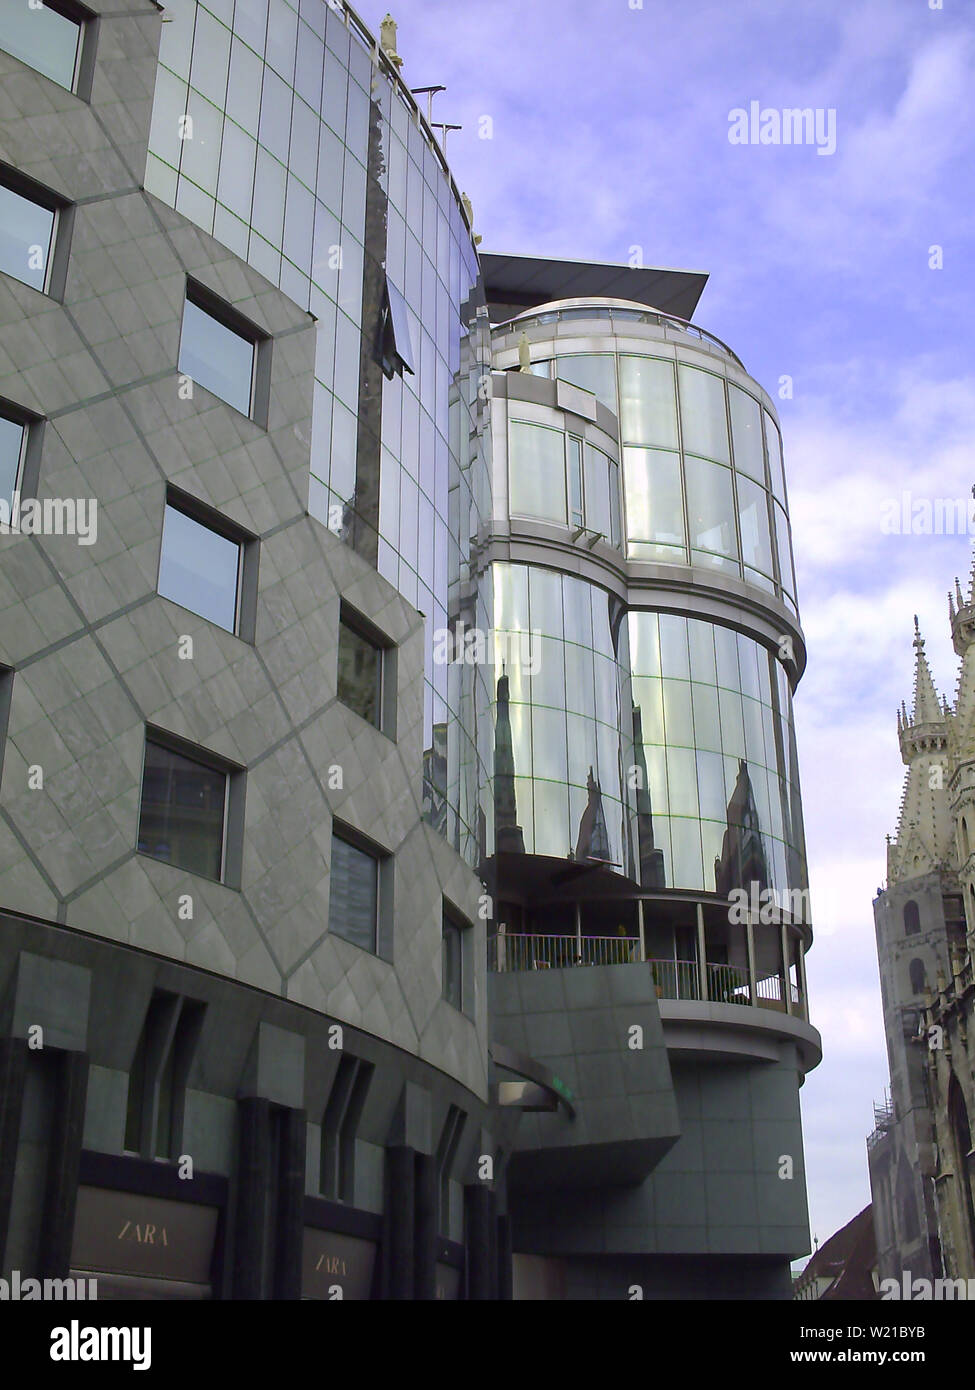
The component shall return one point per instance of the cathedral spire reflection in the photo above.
(593, 841)
(507, 832)
(652, 874)
(742, 860)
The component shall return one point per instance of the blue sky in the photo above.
(610, 129)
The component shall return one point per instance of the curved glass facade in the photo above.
(277, 129)
(660, 745)
(701, 461)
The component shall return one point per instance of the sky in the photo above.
(608, 130)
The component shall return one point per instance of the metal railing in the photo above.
(652, 316)
(523, 951)
(727, 985)
(674, 979)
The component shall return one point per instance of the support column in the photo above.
(253, 1184)
(578, 933)
(786, 978)
(481, 1230)
(504, 1259)
(426, 1220)
(398, 1222)
(63, 1164)
(702, 967)
(289, 1229)
(13, 1074)
(643, 932)
(752, 972)
(802, 979)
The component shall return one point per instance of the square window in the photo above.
(452, 961)
(48, 38)
(185, 810)
(203, 568)
(217, 351)
(353, 910)
(13, 447)
(361, 662)
(27, 235)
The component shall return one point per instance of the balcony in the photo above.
(719, 983)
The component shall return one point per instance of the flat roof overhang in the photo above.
(513, 284)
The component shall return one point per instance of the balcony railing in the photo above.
(674, 979)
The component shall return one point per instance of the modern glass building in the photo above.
(390, 745)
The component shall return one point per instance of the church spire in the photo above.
(923, 840)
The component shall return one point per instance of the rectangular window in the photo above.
(204, 568)
(48, 38)
(189, 817)
(218, 351)
(452, 961)
(575, 480)
(353, 911)
(360, 674)
(536, 472)
(702, 412)
(27, 232)
(397, 340)
(13, 448)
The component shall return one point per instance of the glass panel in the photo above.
(597, 492)
(44, 39)
(360, 674)
(702, 414)
(756, 542)
(575, 480)
(784, 545)
(746, 432)
(701, 641)
(654, 503)
(451, 963)
(353, 894)
(593, 373)
(11, 448)
(710, 507)
(216, 357)
(199, 569)
(536, 472)
(775, 468)
(26, 230)
(182, 811)
(648, 402)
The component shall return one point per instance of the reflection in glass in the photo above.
(746, 432)
(43, 38)
(654, 500)
(199, 568)
(593, 372)
(756, 541)
(648, 402)
(702, 413)
(776, 471)
(216, 357)
(360, 674)
(710, 507)
(353, 894)
(536, 472)
(182, 815)
(26, 233)
(574, 447)
(11, 450)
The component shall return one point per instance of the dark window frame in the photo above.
(84, 62)
(6, 699)
(210, 303)
(231, 854)
(385, 862)
(357, 623)
(29, 468)
(56, 273)
(245, 614)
